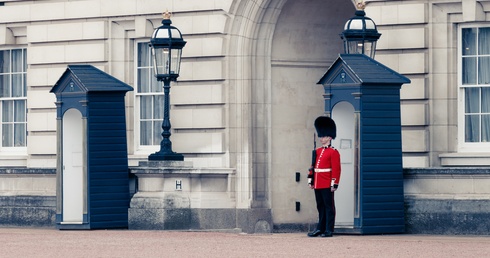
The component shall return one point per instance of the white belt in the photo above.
(323, 169)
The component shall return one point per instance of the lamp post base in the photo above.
(166, 156)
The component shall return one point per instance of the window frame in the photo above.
(464, 146)
(7, 150)
(139, 148)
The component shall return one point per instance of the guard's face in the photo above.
(325, 140)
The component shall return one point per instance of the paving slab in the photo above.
(36, 242)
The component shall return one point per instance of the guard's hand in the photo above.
(309, 183)
(334, 188)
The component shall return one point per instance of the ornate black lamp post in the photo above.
(360, 33)
(167, 44)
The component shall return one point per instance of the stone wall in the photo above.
(27, 197)
(446, 201)
(27, 211)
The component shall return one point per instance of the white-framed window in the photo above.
(149, 100)
(474, 85)
(13, 106)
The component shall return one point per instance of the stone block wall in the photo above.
(447, 201)
(27, 197)
(443, 201)
(27, 211)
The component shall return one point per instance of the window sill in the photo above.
(479, 159)
(12, 160)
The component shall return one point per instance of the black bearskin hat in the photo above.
(325, 126)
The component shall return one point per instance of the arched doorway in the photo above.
(344, 115)
(73, 176)
(278, 51)
(305, 43)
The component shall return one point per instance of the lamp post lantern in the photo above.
(360, 33)
(166, 43)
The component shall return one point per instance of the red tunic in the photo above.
(327, 168)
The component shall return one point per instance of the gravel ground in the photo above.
(33, 242)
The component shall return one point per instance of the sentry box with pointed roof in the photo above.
(363, 97)
(92, 166)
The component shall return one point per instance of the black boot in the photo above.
(315, 233)
(326, 234)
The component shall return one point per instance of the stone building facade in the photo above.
(244, 104)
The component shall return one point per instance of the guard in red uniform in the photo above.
(324, 177)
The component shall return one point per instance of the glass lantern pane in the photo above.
(161, 33)
(175, 33)
(156, 59)
(368, 47)
(370, 24)
(355, 24)
(355, 47)
(351, 47)
(372, 51)
(176, 53)
(162, 61)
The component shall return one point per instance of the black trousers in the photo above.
(325, 204)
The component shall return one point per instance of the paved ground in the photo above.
(28, 242)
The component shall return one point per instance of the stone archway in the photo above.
(306, 42)
(277, 51)
(248, 93)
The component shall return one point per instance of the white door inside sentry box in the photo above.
(73, 176)
(344, 117)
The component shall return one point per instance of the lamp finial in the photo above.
(361, 5)
(166, 15)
